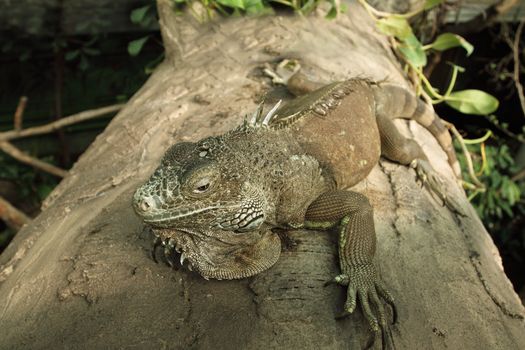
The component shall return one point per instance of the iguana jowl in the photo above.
(216, 200)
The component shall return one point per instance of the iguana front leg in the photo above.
(352, 214)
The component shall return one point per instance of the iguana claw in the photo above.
(434, 184)
(365, 288)
(339, 279)
(283, 71)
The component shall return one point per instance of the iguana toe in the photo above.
(363, 286)
(431, 180)
(350, 299)
(339, 279)
(387, 297)
(283, 71)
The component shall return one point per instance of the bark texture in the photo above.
(80, 275)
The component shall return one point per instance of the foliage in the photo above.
(258, 7)
(500, 204)
(496, 189)
(33, 187)
(144, 17)
(96, 71)
(81, 52)
(502, 194)
(414, 53)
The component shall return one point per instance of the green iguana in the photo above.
(215, 201)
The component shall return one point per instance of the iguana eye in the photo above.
(200, 179)
(202, 186)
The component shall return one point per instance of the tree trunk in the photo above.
(80, 275)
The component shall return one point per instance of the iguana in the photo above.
(217, 200)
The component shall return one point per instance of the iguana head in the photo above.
(202, 201)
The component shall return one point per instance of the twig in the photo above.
(72, 119)
(518, 176)
(434, 61)
(494, 122)
(19, 114)
(516, 55)
(13, 217)
(374, 13)
(14, 152)
(470, 167)
(505, 5)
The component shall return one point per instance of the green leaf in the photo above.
(308, 7)
(431, 3)
(506, 208)
(24, 56)
(238, 4)
(332, 13)
(413, 51)
(334, 10)
(71, 55)
(496, 180)
(135, 46)
(394, 26)
(448, 40)
(91, 51)
(43, 191)
(254, 7)
(84, 63)
(472, 102)
(7, 46)
(137, 15)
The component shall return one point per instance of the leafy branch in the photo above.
(254, 7)
(414, 54)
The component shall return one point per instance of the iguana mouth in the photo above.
(169, 218)
(221, 254)
(165, 219)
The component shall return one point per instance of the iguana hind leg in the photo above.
(352, 214)
(395, 146)
(394, 101)
(402, 150)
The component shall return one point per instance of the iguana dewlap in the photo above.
(216, 200)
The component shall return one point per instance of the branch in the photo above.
(518, 176)
(516, 56)
(495, 123)
(20, 113)
(72, 119)
(16, 153)
(483, 20)
(13, 217)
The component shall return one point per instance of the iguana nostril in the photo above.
(144, 205)
(150, 203)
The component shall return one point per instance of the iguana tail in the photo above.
(395, 101)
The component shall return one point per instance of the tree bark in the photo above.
(80, 275)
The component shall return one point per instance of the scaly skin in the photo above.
(216, 200)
